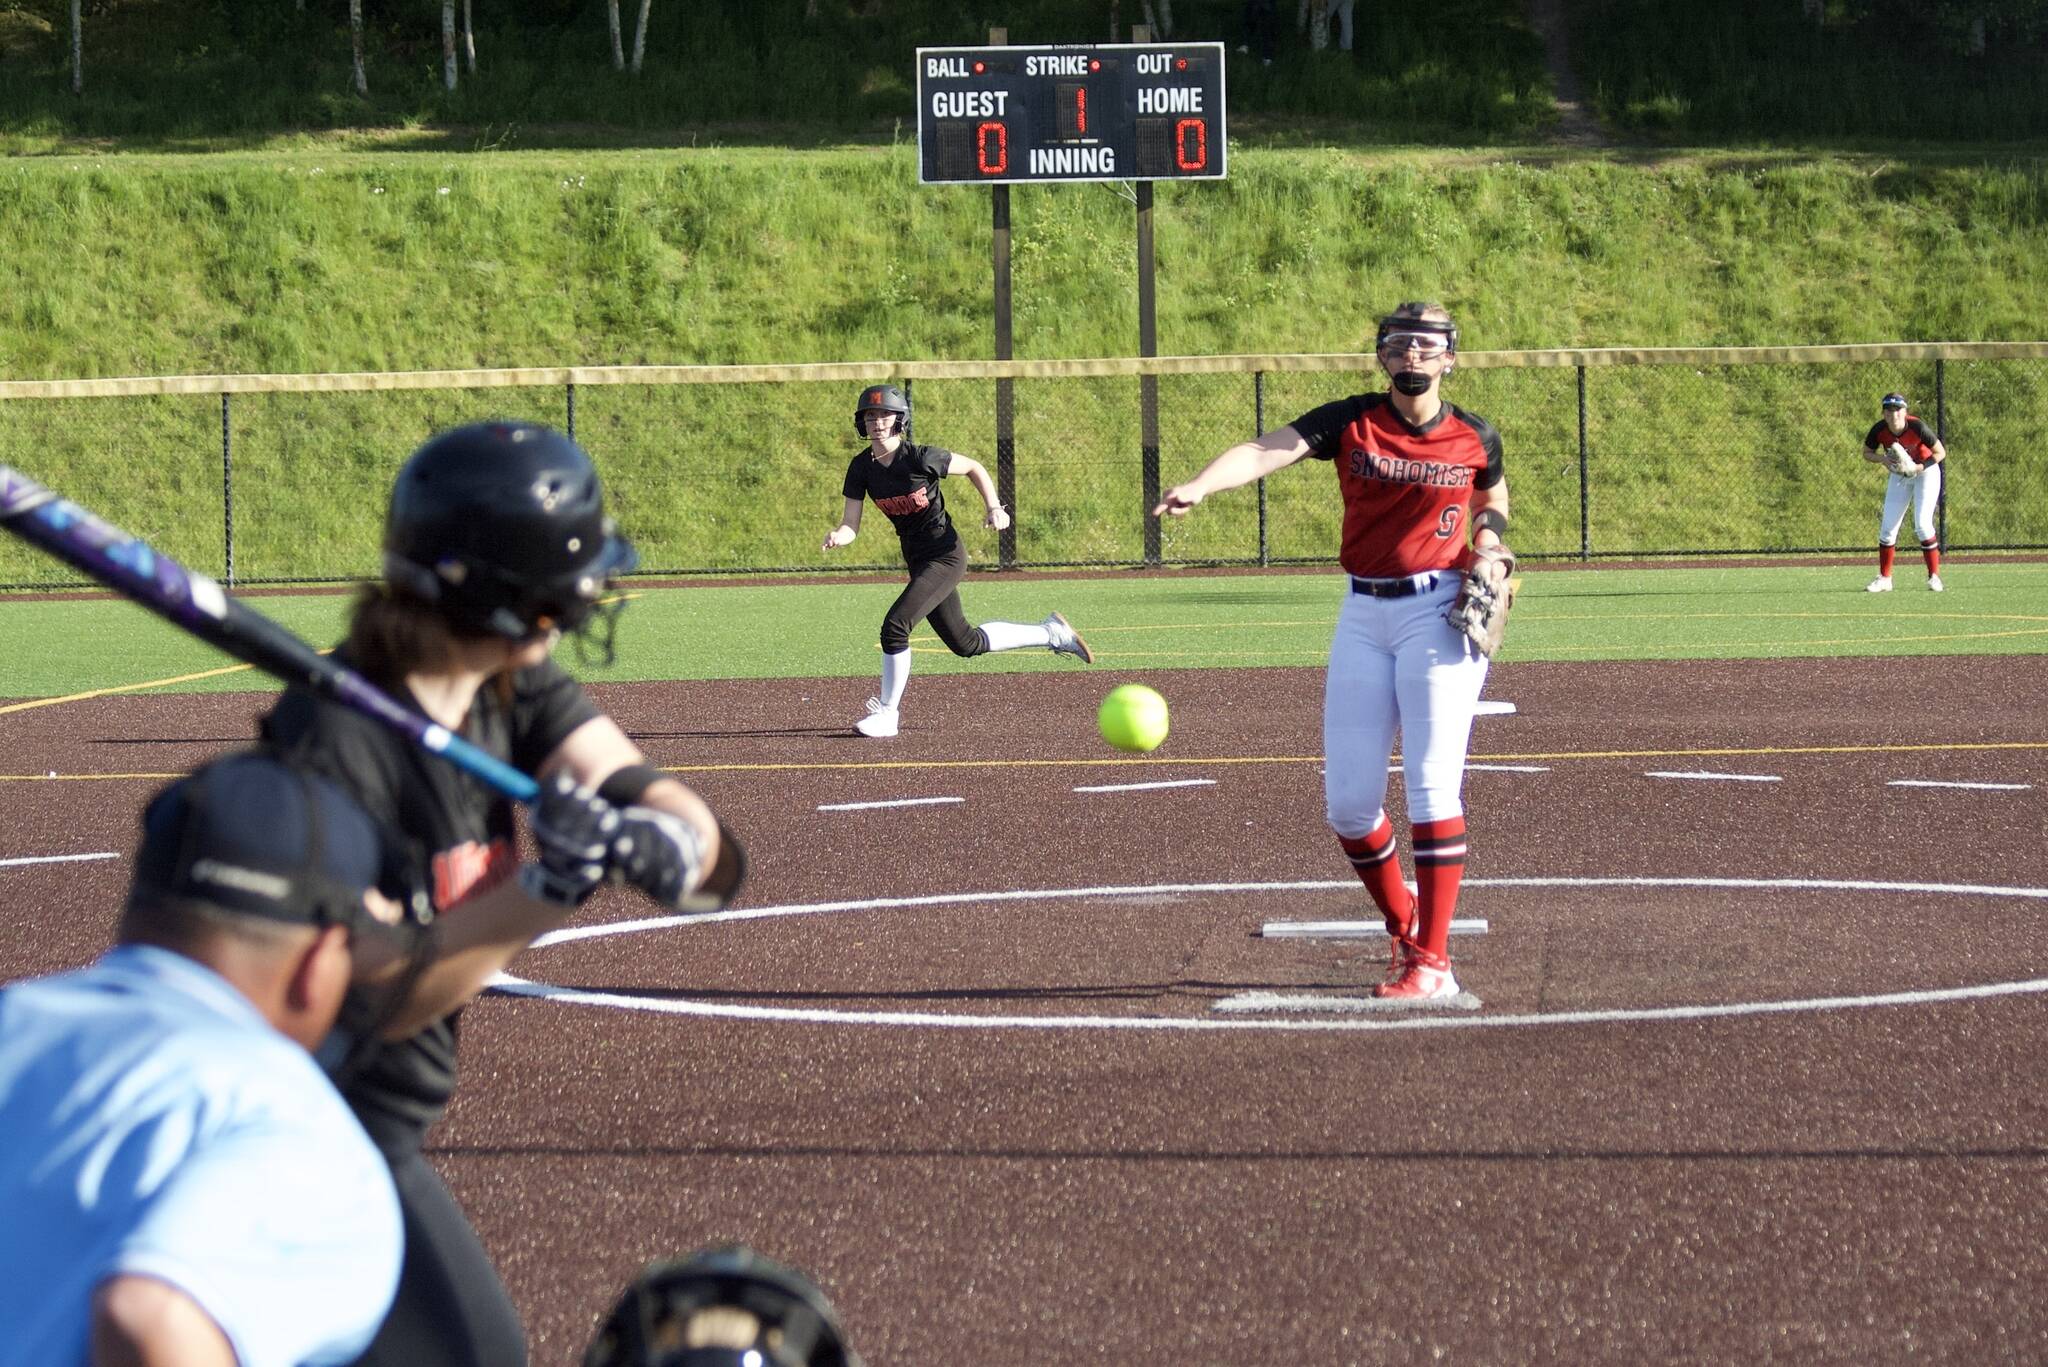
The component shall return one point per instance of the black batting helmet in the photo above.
(501, 527)
(722, 1307)
(880, 398)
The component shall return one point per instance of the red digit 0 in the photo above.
(998, 163)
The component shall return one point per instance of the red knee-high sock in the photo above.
(1439, 868)
(1884, 560)
(1930, 551)
(1372, 858)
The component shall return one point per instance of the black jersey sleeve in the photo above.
(1878, 436)
(1489, 440)
(935, 461)
(1322, 426)
(1923, 431)
(855, 485)
(547, 704)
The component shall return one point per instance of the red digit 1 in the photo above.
(1198, 158)
(994, 163)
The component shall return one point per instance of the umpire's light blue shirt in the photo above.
(152, 1122)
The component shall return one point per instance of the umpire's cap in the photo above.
(1894, 401)
(251, 835)
(721, 1307)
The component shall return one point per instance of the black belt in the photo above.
(1393, 588)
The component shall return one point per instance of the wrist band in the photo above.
(1491, 520)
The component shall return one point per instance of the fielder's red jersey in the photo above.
(1407, 490)
(1917, 437)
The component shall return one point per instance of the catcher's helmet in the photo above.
(501, 526)
(722, 1307)
(880, 398)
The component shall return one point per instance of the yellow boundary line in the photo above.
(849, 372)
(1553, 756)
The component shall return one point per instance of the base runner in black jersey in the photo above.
(903, 479)
(496, 545)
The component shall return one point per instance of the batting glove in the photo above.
(660, 854)
(574, 828)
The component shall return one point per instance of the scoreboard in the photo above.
(1121, 111)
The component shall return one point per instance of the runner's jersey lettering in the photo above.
(907, 491)
(1407, 490)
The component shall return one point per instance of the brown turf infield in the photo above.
(1689, 1122)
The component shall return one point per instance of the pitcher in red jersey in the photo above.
(1422, 482)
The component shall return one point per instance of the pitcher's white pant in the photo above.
(1924, 490)
(1397, 665)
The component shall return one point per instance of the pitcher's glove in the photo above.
(1480, 611)
(1899, 461)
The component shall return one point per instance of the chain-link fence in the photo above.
(732, 470)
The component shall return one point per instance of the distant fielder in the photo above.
(903, 479)
(1422, 610)
(1906, 446)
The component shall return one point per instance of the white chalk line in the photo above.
(818, 1016)
(54, 859)
(1142, 787)
(899, 802)
(1730, 778)
(1976, 787)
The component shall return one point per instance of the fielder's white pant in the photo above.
(1397, 666)
(1924, 490)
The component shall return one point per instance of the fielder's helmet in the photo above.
(1403, 320)
(883, 398)
(501, 526)
(722, 1307)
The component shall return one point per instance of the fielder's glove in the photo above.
(1480, 611)
(574, 828)
(1899, 461)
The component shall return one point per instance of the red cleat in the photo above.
(1420, 976)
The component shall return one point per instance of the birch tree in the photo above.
(448, 43)
(77, 49)
(640, 35)
(469, 35)
(355, 43)
(618, 52)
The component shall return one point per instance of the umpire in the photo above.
(181, 1181)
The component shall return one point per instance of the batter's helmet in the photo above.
(880, 398)
(501, 526)
(722, 1307)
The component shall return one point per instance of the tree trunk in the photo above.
(1814, 11)
(469, 35)
(1974, 44)
(355, 43)
(77, 50)
(640, 35)
(618, 52)
(1159, 18)
(1319, 25)
(448, 43)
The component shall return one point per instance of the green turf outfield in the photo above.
(827, 628)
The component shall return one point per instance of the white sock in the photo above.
(895, 678)
(1015, 635)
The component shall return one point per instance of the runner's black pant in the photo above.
(934, 592)
(452, 1310)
